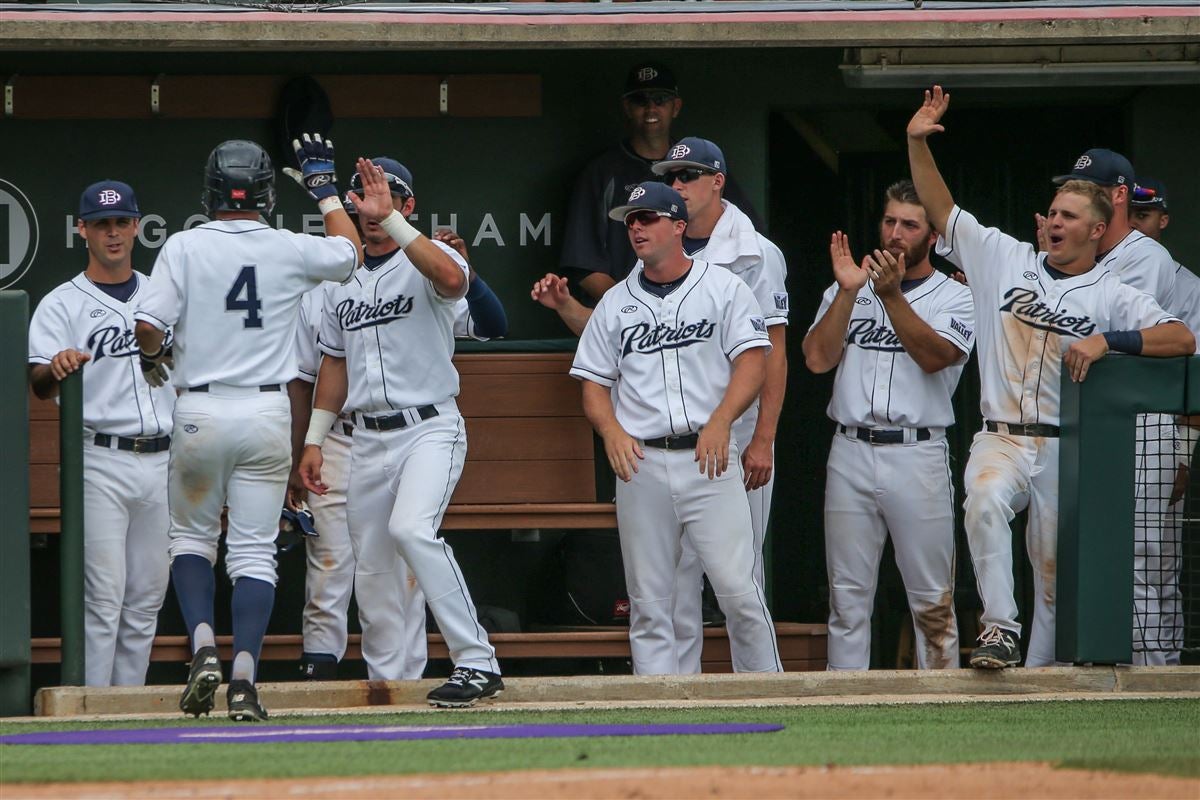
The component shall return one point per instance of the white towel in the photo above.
(734, 242)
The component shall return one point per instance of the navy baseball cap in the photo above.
(692, 152)
(650, 77)
(108, 199)
(1149, 193)
(399, 179)
(1100, 166)
(652, 196)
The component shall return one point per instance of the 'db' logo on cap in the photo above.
(1084, 162)
(647, 74)
(108, 197)
(636, 193)
(679, 151)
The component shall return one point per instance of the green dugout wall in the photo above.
(1096, 494)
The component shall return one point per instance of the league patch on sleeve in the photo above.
(781, 301)
(961, 329)
(759, 324)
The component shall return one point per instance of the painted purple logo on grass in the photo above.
(361, 733)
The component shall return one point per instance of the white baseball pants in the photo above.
(666, 502)
(905, 490)
(231, 446)
(126, 570)
(400, 484)
(1004, 475)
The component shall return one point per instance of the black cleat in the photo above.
(465, 687)
(203, 680)
(242, 699)
(998, 648)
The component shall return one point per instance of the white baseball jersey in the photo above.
(464, 323)
(117, 400)
(673, 354)
(1144, 264)
(1021, 347)
(397, 336)
(754, 258)
(1185, 300)
(240, 311)
(878, 385)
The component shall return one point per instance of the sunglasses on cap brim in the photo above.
(644, 217)
(650, 98)
(685, 175)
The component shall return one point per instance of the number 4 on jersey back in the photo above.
(246, 280)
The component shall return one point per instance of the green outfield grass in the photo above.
(1161, 736)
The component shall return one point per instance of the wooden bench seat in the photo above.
(530, 458)
(801, 646)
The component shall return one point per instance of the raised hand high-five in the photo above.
(929, 115)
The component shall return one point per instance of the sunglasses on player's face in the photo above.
(684, 175)
(644, 218)
(651, 98)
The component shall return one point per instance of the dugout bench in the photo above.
(530, 465)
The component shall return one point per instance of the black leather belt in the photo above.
(270, 387)
(347, 428)
(394, 421)
(1013, 429)
(142, 444)
(683, 441)
(885, 437)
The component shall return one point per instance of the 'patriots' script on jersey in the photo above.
(354, 315)
(645, 338)
(1025, 305)
(871, 334)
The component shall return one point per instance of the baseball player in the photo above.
(1036, 314)
(722, 235)
(899, 333)
(1148, 213)
(127, 429)
(595, 248)
(670, 358)
(387, 344)
(232, 288)
(1143, 263)
(330, 557)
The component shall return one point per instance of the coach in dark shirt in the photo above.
(596, 252)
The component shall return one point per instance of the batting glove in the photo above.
(155, 366)
(316, 175)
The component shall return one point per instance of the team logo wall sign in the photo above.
(18, 234)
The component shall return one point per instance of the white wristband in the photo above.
(328, 205)
(397, 227)
(318, 425)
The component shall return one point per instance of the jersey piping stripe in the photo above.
(480, 634)
(378, 341)
(746, 344)
(949, 237)
(695, 281)
(146, 316)
(1046, 341)
(874, 417)
(630, 282)
(601, 378)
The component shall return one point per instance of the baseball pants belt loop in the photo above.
(682, 441)
(140, 444)
(894, 436)
(269, 387)
(401, 419)
(1013, 429)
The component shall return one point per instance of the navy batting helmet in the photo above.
(239, 177)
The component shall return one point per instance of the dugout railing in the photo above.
(1121, 439)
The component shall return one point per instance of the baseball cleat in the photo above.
(203, 680)
(465, 687)
(242, 699)
(998, 648)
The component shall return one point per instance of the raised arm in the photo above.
(551, 291)
(931, 188)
